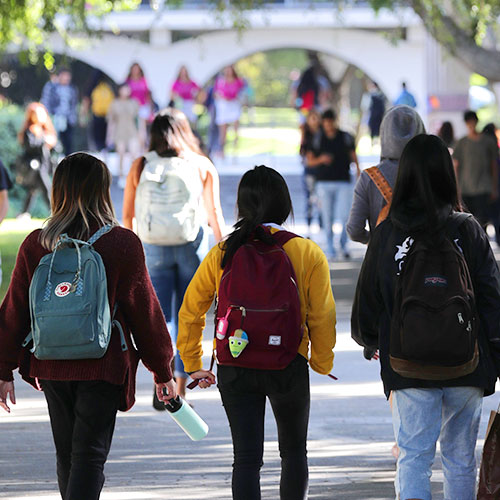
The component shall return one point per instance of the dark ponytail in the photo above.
(263, 196)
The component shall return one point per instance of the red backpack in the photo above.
(258, 315)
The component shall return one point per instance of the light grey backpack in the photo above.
(69, 306)
(167, 200)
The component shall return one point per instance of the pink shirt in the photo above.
(185, 90)
(228, 90)
(138, 90)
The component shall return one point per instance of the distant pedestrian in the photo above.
(172, 191)
(84, 395)
(5, 185)
(228, 104)
(62, 103)
(263, 206)
(184, 93)
(37, 138)
(376, 110)
(309, 151)
(447, 135)
(123, 132)
(475, 158)
(491, 130)
(306, 93)
(439, 385)
(98, 99)
(405, 97)
(139, 91)
(399, 125)
(334, 184)
(48, 96)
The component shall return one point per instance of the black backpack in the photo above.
(434, 325)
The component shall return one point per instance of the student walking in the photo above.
(83, 395)
(122, 128)
(399, 125)
(262, 349)
(172, 191)
(184, 93)
(475, 158)
(333, 175)
(405, 97)
(309, 151)
(428, 296)
(37, 138)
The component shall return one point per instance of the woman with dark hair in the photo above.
(174, 152)
(424, 211)
(227, 91)
(447, 134)
(490, 130)
(139, 90)
(84, 395)
(37, 138)
(263, 206)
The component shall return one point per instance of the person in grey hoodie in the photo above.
(399, 125)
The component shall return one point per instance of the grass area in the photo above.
(12, 234)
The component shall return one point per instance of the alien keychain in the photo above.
(239, 340)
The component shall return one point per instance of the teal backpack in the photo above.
(69, 307)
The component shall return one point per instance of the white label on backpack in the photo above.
(63, 289)
(274, 340)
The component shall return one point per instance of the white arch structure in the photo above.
(387, 63)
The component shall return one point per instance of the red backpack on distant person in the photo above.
(258, 317)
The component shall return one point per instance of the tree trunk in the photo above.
(461, 44)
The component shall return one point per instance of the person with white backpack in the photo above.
(171, 191)
(78, 294)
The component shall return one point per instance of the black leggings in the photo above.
(82, 416)
(243, 393)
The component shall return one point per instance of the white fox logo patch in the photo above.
(403, 250)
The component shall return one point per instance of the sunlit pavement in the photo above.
(350, 441)
(350, 434)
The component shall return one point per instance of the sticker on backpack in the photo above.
(435, 281)
(274, 339)
(63, 289)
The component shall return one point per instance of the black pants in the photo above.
(243, 393)
(66, 138)
(82, 416)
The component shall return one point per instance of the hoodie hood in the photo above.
(400, 124)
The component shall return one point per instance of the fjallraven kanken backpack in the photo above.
(435, 326)
(167, 200)
(69, 307)
(258, 307)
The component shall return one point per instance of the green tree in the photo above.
(467, 28)
(28, 23)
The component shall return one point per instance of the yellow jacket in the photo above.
(316, 301)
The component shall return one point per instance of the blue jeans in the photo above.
(171, 269)
(420, 417)
(335, 199)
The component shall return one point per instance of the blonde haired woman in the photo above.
(83, 396)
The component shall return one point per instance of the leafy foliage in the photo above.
(28, 23)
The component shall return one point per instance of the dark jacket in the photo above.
(373, 303)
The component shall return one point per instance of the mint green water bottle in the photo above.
(187, 419)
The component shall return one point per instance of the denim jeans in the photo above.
(171, 269)
(420, 417)
(243, 392)
(335, 199)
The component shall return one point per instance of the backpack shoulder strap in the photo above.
(104, 229)
(282, 237)
(381, 182)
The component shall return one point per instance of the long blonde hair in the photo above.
(80, 198)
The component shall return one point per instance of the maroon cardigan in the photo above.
(139, 312)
